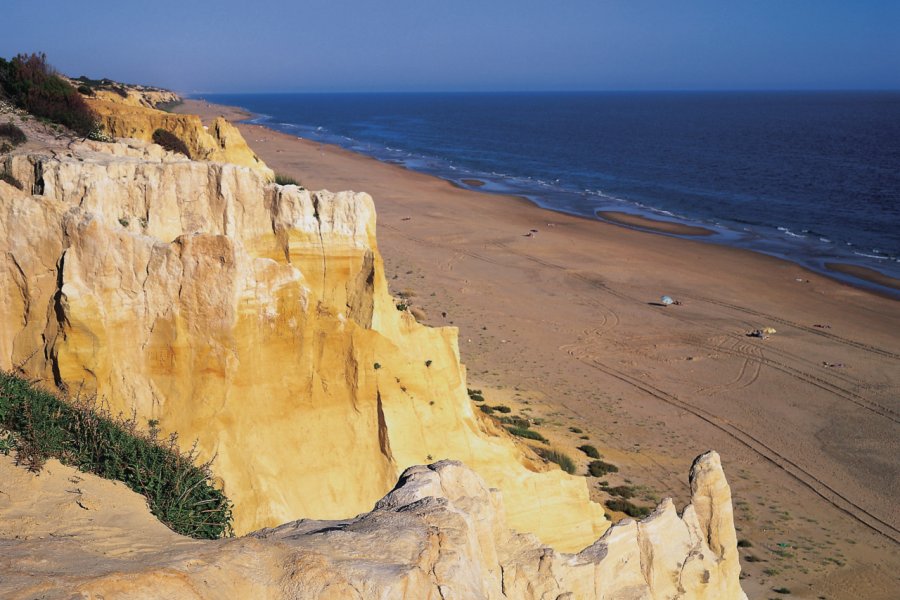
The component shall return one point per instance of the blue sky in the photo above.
(431, 45)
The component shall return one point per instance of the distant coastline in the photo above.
(635, 217)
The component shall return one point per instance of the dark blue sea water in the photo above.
(809, 176)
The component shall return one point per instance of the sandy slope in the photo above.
(566, 322)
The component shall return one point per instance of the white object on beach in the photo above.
(667, 300)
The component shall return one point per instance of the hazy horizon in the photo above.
(351, 46)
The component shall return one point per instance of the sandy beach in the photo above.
(559, 317)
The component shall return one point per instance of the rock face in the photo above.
(130, 117)
(440, 534)
(130, 94)
(256, 319)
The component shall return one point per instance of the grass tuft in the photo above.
(526, 433)
(622, 505)
(179, 492)
(590, 451)
(623, 491)
(282, 179)
(565, 463)
(598, 468)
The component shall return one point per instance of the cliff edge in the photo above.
(441, 533)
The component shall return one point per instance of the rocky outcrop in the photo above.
(441, 534)
(220, 142)
(126, 93)
(256, 319)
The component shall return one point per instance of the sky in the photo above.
(195, 46)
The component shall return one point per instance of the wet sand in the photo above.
(864, 273)
(562, 324)
(631, 220)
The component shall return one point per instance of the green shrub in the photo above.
(180, 493)
(475, 395)
(576, 430)
(781, 590)
(516, 422)
(85, 90)
(488, 410)
(33, 85)
(744, 544)
(590, 451)
(565, 463)
(598, 468)
(524, 432)
(620, 505)
(503, 409)
(623, 491)
(170, 142)
(282, 179)
(12, 133)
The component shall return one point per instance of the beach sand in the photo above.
(565, 324)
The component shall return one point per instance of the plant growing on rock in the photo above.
(565, 463)
(526, 433)
(282, 179)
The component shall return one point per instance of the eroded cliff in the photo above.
(439, 534)
(135, 116)
(256, 319)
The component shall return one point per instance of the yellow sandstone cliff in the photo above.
(135, 117)
(254, 318)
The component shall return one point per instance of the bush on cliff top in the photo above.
(33, 85)
(180, 493)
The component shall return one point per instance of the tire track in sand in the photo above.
(797, 374)
(733, 431)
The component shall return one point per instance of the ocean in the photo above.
(813, 177)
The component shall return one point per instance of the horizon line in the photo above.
(554, 91)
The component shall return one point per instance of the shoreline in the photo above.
(653, 225)
(858, 276)
(565, 325)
